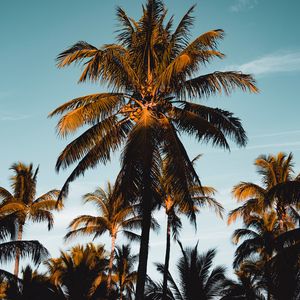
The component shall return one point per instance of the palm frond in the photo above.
(31, 249)
(76, 53)
(210, 84)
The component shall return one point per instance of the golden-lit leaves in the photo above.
(247, 190)
(213, 83)
(93, 109)
(152, 65)
(77, 52)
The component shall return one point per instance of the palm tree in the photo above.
(249, 284)
(197, 278)
(32, 286)
(23, 202)
(153, 76)
(81, 272)
(174, 205)
(261, 235)
(278, 190)
(113, 218)
(25, 249)
(274, 250)
(125, 275)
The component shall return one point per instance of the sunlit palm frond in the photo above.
(246, 190)
(76, 53)
(41, 215)
(252, 206)
(209, 84)
(100, 152)
(5, 195)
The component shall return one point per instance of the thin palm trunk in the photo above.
(17, 260)
(143, 254)
(167, 259)
(121, 290)
(111, 260)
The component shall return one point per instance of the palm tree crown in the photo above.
(24, 204)
(278, 182)
(197, 278)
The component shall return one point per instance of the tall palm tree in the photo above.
(125, 274)
(24, 205)
(80, 272)
(197, 278)
(153, 75)
(113, 217)
(278, 191)
(174, 206)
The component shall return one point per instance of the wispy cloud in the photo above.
(271, 63)
(263, 146)
(273, 134)
(240, 5)
(12, 117)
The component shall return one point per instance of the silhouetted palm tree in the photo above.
(261, 235)
(277, 177)
(32, 286)
(23, 202)
(80, 273)
(249, 284)
(152, 73)
(9, 249)
(114, 218)
(125, 274)
(174, 206)
(197, 279)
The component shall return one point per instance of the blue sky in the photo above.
(261, 38)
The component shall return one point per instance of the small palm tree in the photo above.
(197, 278)
(249, 284)
(260, 238)
(175, 205)
(114, 218)
(125, 274)
(32, 286)
(278, 191)
(80, 273)
(24, 205)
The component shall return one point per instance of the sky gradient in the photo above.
(261, 39)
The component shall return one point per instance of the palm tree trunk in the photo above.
(17, 260)
(167, 259)
(121, 291)
(143, 254)
(111, 261)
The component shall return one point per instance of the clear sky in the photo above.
(262, 38)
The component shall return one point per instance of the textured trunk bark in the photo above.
(111, 261)
(143, 254)
(167, 259)
(17, 260)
